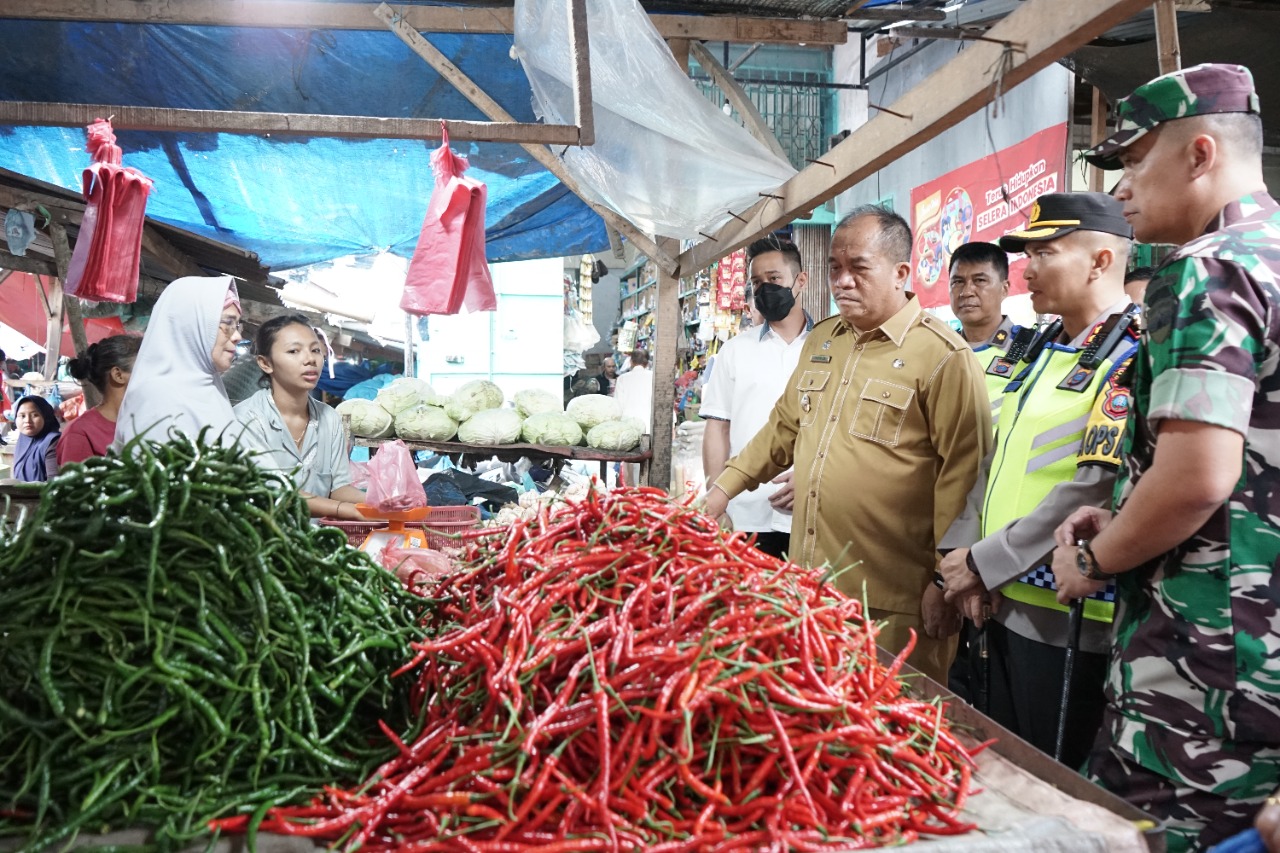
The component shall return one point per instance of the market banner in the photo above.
(981, 201)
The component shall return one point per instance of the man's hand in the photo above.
(941, 620)
(956, 577)
(785, 498)
(979, 606)
(1071, 584)
(1085, 523)
(1268, 823)
(715, 502)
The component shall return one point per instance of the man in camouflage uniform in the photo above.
(1192, 727)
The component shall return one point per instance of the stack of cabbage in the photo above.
(410, 409)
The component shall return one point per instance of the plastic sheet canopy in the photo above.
(664, 156)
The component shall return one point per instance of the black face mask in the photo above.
(774, 301)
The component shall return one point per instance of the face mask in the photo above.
(774, 301)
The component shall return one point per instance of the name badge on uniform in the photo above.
(1078, 381)
(1001, 367)
(820, 358)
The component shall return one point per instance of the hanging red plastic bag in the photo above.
(104, 264)
(449, 270)
(393, 480)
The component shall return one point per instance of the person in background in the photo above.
(608, 375)
(177, 377)
(36, 457)
(634, 393)
(886, 420)
(1135, 283)
(107, 365)
(752, 371)
(1057, 446)
(288, 430)
(1191, 733)
(979, 285)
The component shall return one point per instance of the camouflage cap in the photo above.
(1055, 215)
(1201, 90)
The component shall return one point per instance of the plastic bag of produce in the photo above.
(368, 419)
(492, 426)
(393, 480)
(591, 410)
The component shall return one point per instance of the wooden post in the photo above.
(737, 96)
(1097, 133)
(680, 50)
(71, 306)
(53, 331)
(666, 333)
(1169, 53)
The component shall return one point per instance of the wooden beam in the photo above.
(27, 263)
(951, 33)
(71, 306)
(680, 52)
(738, 97)
(283, 124)
(53, 329)
(895, 13)
(494, 110)
(1097, 133)
(663, 358)
(1169, 53)
(435, 19)
(1042, 32)
(580, 50)
(177, 263)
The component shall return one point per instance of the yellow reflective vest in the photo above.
(1040, 440)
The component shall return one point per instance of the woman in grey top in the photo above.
(288, 430)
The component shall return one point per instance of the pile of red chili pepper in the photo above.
(620, 674)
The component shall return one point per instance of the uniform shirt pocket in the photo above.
(809, 390)
(881, 410)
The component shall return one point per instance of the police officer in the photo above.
(979, 285)
(1057, 445)
(1192, 727)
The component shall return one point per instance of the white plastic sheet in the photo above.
(664, 156)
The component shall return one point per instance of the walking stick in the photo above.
(984, 663)
(1076, 619)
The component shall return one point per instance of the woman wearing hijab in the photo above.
(35, 459)
(176, 384)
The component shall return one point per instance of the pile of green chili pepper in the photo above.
(617, 674)
(178, 643)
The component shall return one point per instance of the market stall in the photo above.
(466, 455)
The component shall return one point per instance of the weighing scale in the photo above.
(395, 533)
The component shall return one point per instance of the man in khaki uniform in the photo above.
(886, 420)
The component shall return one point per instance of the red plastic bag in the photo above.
(393, 480)
(415, 565)
(449, 270)
(104, 263)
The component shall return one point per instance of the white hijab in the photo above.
(174, 385)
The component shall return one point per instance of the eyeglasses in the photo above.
(231, 325)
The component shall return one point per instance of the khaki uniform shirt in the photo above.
(886, 430)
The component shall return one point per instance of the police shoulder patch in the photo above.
(1104, 433)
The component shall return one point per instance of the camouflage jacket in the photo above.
(1195, 677)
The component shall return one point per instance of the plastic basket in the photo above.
(441, 524)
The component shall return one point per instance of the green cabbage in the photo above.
(425, 423)
(368, 419)
(491, 426)
(589, 410)
(471, 398)
(555, 429)
(614, 435)
(405, 393)
(536, 400)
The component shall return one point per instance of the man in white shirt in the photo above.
(751, 372)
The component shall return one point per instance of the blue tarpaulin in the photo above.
(293, 200)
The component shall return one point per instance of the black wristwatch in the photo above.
(1087, 564)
